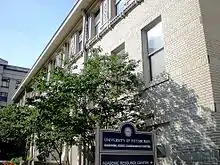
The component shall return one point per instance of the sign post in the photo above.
(125, 146)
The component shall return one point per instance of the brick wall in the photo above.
(210, 18)
(186, 50)
(185, 46)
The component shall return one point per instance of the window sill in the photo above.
(156, 51)
(158, 81)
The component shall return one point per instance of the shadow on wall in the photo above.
(187, 136)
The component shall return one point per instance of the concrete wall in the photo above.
(13, 75)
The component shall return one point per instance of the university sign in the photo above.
(125, 147)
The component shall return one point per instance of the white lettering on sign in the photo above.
(127, 162)
(114, 140)
(110, 163)
(140, 141)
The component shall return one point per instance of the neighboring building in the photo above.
(181, 37)
(10, 80)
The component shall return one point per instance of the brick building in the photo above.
(181, 37)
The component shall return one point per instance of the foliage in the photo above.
(67, 108)
(72, 104)
(16, 161)
(14, 130)
(108, 91)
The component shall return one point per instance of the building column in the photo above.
(84, 35)
(84, 29)
(104, 12)
(111, 9)
(101, 13)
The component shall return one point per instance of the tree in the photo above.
(14, 132)
(108, 91)
(72, 104)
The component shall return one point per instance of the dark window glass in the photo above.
(5, 82)
(3, 96)
(80, 40)
(18, 82)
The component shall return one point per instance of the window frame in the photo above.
(17, 83)
(119, 50)
(116, 4)
(150, 60)
(150, 55)
(80, 40)
(7, 81)
(97, 22)
(4, 94)
(146, 56)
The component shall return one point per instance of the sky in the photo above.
(26, 26)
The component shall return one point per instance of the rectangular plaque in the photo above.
(127, 159)
(118, 141)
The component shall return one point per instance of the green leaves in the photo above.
(67, 108)
(14, 125)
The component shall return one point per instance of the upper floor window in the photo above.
(17, 84)
(80, 40)
(120, 50)
(5, 82)
(155, 38)
(97, 22)
(72, 46)
(53, 64)
(119, 6)
(155, 49)
(3, 96)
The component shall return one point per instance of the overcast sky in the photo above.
(26, 26)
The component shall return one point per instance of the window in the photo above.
(155, 38)
(80, 40)
(97, 22)
(155, 50)
(119, 6)
(62, 60)
(5, 82)
(17, 84)
(53, 64)
(72, 46)
(120, 50)
(3, 96)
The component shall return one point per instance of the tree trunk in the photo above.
(60, 158)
